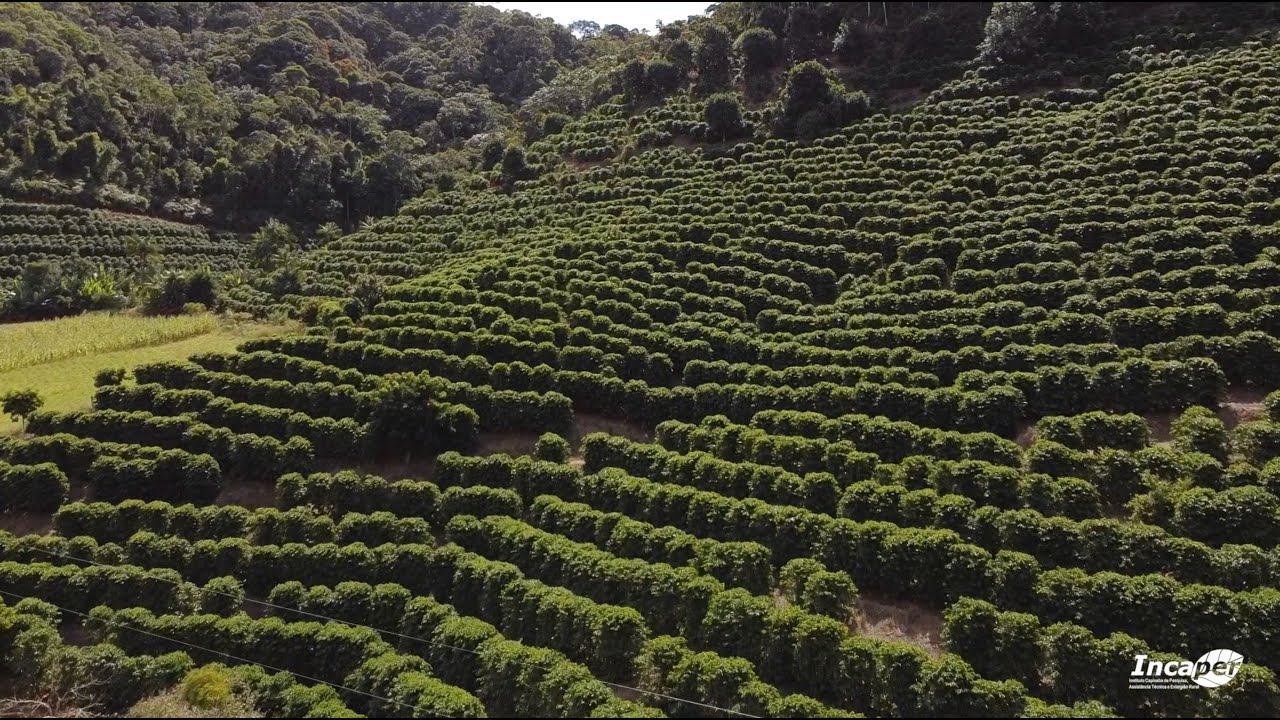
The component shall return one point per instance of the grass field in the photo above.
(77, 348)
(35, 343)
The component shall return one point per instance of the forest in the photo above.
(791, 360)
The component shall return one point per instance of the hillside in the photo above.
(231, 113)
(955, 399)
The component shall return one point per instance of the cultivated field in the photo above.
(957, 411)
(61, 357)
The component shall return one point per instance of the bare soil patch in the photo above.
(901, 99)
(26, 523)
(899, 621)
(1243, 404)
(588, 423)
(247, 494)
(1161, 425)
(1026, 436)
(511, 443)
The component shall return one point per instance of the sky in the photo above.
(634, 15)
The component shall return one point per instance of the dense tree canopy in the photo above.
(234, 112)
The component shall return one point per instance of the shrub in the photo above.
(222, 596)
(410, 416)
(36, 488)
(813, 101)
(207, 688)
(108, 377)
(552, 448)
(1199, 429)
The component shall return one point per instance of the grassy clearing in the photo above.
(35, 343)
(67, 384)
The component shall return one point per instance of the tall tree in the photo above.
(723, 115)
(757, 50)
(804, 32)
(19, 404)
(713, 59)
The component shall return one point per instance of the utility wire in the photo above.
(394, 633)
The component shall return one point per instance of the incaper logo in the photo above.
(1214, 669)
(1217, 668)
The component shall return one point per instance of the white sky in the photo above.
(634, 15)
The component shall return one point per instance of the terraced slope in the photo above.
(34, 232)
(999, 361)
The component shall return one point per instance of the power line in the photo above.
(211, 650)
(394, 633)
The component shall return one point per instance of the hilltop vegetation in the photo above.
(947, 409)
(232, 113)
(301, 122)
(235, 112)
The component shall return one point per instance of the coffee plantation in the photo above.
(853, 384)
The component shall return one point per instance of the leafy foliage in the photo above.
(20, 404)
(914, 363)
(1015, 31)
(241, 112)
(409, 416)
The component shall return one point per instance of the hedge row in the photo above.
(317, 399)
(702, 372)
(341, 438)
(173, 475)
(867, 346)
(80, 589)
(817, 491)
(302, 523)
(46, 466)
(1121, 475)
(937, 567)
(508, 677)
(790, 645)
(672, 598)
(632, 364)
(994, 408)
(986, 483)
(1136, 385)
(499, 409)
(528, 476)
(328, 652)
(105, 522)
(995, 485)
(1258, 441)
(1096, 430)
(667, 666)
(36, 659)
(1249, 358)
(346, 490)
(1242, 514)
(604, 637)
(281, 695)
(255, 360)
(73, 455)
(1095, 544)
(250, 456)
(736, 564)
(890, 440)
(151, 397)
(32, 488)
(1063, 662)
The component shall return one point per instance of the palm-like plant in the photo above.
(101, 290)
